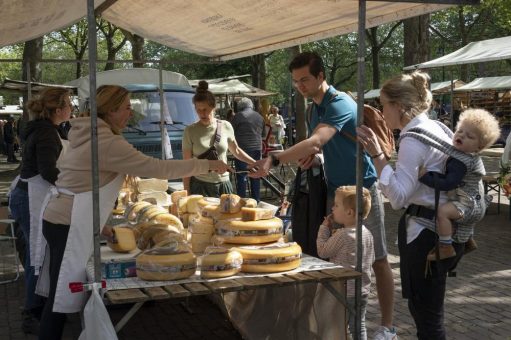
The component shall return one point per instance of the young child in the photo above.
(340, 246)
(476, 130)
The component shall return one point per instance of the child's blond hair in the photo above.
(348, 195)
(484, 123)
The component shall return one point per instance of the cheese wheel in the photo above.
(151, 185)
(176, 195)
(272, 258)
(219, 262)
(157, 233)
(124, 240)
(249, 232)
(164, 264)
(131, 212)
(230, 203)
(256, 214)
(168, 219)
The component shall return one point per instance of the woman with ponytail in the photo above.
(406, 100)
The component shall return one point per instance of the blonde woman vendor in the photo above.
(67, 220)
(210, 138)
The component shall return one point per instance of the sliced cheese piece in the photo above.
(230, 203)
(131, 212)
(155, 234)
(192, 206)
(124, 240)
(249, 232)
(176, 195)
(161, 264)
(151, 185)
(148, 213)
(249, 202)
(160, 198)
(272, 258)
(256, 214)
(201, 230)
(220, 262)
(205, 201)
(168, 219)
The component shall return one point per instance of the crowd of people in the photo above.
(435, 231)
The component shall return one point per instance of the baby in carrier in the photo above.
(476, 131)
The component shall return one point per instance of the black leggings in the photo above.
(52, 324)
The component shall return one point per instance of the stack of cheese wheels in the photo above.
(215, 211)
(276, 257)
(200, 229)
(170, 260)
(219, 262)
(249, 232)
(123, 239)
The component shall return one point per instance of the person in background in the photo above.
(41, 150)
(203, 137)
(3, 146)
(10, 140)
(331, 113)
(277, 124)
(248, 128)
(340, 246)
(406, 100)
(67, 219)
(230, 115)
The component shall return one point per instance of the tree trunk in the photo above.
(110, 54)
(32, 54)
(137, 49)
(416, 40)
(300, 104)
(375, 56)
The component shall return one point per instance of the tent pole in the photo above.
(91, 23)
(452, 101)
(29, 83)
(360, 114)
(162, 102)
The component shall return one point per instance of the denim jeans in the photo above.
(241, 179)
(18, 204)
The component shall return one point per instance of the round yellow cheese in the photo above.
(249, 232)
(168, 219)
(165, 264)
(154, 234)
(220, 262)
(277, 257)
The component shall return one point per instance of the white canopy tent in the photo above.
(475, 52)
(445, 86)
(371, 94)
(216, 28)
(233, 87)
(489, 83)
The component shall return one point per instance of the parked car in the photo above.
(143, 129)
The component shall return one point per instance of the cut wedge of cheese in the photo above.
(219, 262)
(176, 195)
(256, 214)
(151, 185)
(277, 257)
(230, 203)
(249, 232)
(155, 234)
(208, 201)
(249, 202)
(166, 263)
(201, 229)
(192, 203)
(167, 219)
(124, 240)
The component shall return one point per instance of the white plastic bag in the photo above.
(98, 325)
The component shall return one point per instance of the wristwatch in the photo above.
(274, 160)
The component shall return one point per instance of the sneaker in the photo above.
(384, 333)
(30, 324)
(445, 251)
(470, 246)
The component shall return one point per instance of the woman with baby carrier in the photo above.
(406, 100)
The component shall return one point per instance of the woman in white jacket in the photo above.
(67, 221)
(277, 124)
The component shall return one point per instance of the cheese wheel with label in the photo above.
(256, 214)
(166, 263)
(124, 240)
(249, 232)
(277, 257)
(219, 262)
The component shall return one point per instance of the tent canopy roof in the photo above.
(215, 28)
(233, 86)
(489, 83)
(475, 52)
(22, 86)
(445, 86)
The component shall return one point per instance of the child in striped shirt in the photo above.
(340, 246)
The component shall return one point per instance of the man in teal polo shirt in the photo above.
(332, 114)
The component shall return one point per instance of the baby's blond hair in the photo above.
(484, 123)
(348, 195)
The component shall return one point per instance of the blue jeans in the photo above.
(241, 179)
(18, 204)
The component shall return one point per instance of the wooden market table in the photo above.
(136, 291)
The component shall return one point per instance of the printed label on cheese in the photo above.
(273, 260)
(261, 232)
(220, 267)
(156, 268)
(278, 245)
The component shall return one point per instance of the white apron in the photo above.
(79, 247)
(38, 196)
